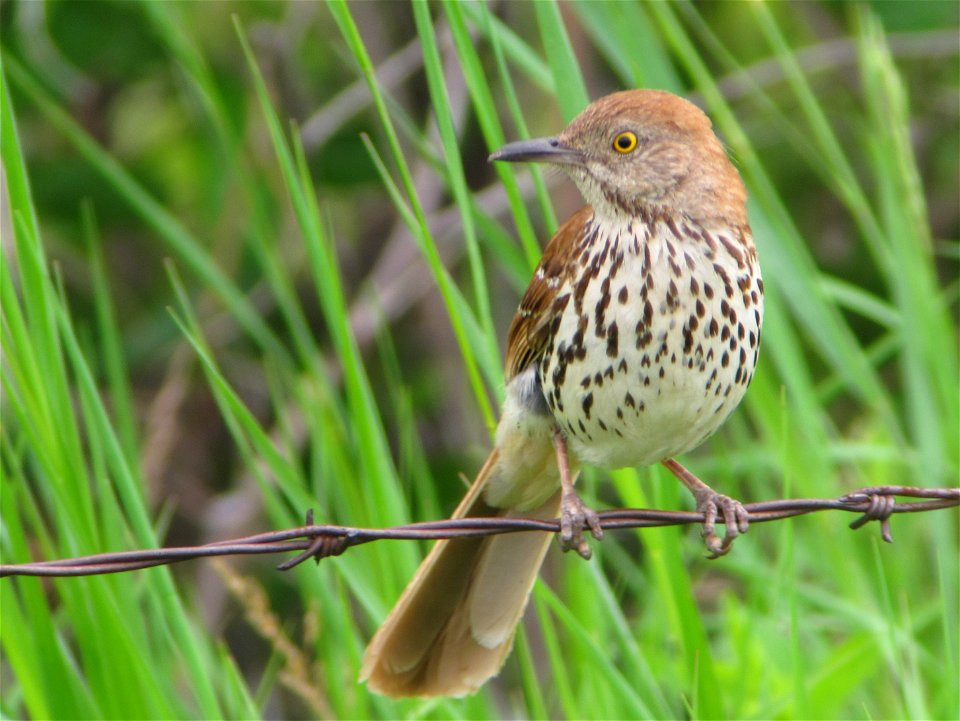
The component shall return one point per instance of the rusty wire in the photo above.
(876, 503)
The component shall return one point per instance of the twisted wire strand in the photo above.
(319, 541)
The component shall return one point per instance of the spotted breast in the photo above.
(654, 334)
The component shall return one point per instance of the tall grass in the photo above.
(857, 384)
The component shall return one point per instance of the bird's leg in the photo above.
(711, 504)
(574, 514)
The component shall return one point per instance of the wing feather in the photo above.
(530, 330)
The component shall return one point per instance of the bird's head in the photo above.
(642, 151)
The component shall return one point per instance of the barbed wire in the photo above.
(875, 503)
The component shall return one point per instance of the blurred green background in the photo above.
(227, 302)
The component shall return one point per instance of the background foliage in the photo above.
(254, 262)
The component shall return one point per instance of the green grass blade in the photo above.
(347, 26)
(568, 81)
(165, 225)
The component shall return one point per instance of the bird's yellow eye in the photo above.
(625, 142)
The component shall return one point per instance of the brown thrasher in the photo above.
(636, 338)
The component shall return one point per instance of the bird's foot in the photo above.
(575, 516)
(735, 519)
(713, 505)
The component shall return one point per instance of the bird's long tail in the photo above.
(453, 626)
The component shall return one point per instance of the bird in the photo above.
(636, 338)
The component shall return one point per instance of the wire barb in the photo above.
(876, 503)
(880, 507)
(322, 546)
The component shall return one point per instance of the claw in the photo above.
(574, 514)
(712, 504)
(574, 517)
(735, 519)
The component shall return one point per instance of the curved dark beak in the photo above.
(538, 150)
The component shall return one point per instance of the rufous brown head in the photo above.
(642, 150)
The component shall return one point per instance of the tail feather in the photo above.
(504, 576)
(453, 627)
